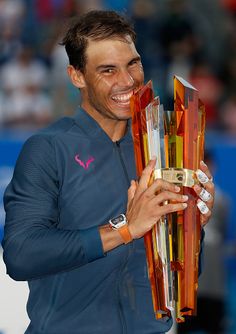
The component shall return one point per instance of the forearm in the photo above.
(110, 238)
(39, 251)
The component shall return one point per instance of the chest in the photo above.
(94, 177)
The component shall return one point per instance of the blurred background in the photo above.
(195, 39)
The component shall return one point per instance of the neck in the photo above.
(115, 129)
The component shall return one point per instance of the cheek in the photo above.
(99, 91)
(103, 85)
(138, 74)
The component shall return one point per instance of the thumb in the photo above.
(131, 192)
(145, 177)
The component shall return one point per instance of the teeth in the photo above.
(122, 97)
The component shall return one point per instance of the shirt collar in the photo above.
(90, 126)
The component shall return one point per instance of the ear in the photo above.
(76, 77)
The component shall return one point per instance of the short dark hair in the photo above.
(94, 25)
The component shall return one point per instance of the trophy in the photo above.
(176, 139)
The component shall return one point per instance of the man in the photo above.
(74, 177)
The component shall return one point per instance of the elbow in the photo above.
(16, 266)
(14, 270)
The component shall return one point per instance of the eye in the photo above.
(135, 62)
(108, 71)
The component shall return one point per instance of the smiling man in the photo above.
(112, 72)
(75, 216)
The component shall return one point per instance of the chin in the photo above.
(120, 113)
(124, 118)
(124, 115)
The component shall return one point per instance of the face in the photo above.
(112, 73)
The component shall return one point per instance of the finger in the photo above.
(203, 208)
(168, 196)
(202, 177)
(203, 193)
(204, 218)
(145, 177)
(210, 189)
(160, 184)
(206, 170)
(169, 208)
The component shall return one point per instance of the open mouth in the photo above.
(122, 99)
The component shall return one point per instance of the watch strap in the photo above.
(125, 233)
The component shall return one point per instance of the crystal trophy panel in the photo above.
(176, 139)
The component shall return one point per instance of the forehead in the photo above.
(110, 51)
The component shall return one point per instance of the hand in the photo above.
(206, 192)
(145, 203)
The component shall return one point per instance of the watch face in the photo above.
(118, 221)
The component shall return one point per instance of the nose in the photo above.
(125, 79)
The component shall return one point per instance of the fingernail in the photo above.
(202, 177)
(185, 205)
(202, 207)
(177, 189)
(203, 163)
(185, 197)
(205, 195)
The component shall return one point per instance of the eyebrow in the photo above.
(138, 58)
(106, 66)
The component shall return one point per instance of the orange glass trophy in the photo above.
(176, 138)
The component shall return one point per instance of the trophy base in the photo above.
(180, 176)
